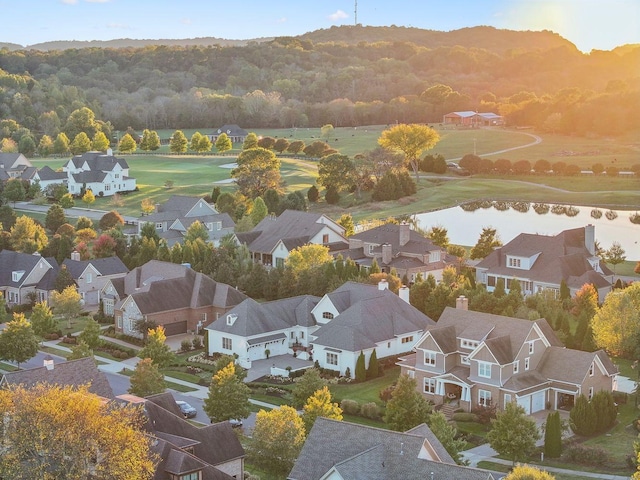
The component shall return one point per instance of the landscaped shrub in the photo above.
(197, 342)
(370, 410)
(385, 394)
(465, 417)
(485, 414)
(350, 407)
(185, 345)
(582, 454)
(582, 417)
(51, 336)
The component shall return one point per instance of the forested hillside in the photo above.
(345, 76)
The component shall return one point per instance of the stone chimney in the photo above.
(48, 362)
(110, 152)
(590, 238)
(404, 233)
(383, 285)
(462, 303)
(75, 255)
(387, 254)
(403, 293)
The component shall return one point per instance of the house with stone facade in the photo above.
(397, 247)
(173, 218)
(333, 330)
(541, 262)
(174, 296)
(472, 359)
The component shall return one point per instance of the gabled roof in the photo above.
(140, 278)
(372, 316)
(572, 366)
(362, 452)
(192, 290)
(255, 318)
(11, 160)
(503, 336)
(296, 226)
(46, 173)
(464, 114)
(179, 206)
(560, 257)
(98, 161)
(104, 266)
(72, 373)
(89, 176)
(390, 233)
(11, 261)
(215, 444)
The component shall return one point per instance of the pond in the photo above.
(464, 223)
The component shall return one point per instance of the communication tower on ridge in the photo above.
(355, 14)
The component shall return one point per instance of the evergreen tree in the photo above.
(250, 141)
(565, 293)
(407, 408)
(313, 194)
(375, 268)
(63, 279)
(178, 142)
(361, 372)
(582, 417)
(373, 370)
(553, 436)
(127, 144)
(55, 217)
(223, 143)
(605, 410)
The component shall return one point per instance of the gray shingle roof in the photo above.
(572, 366)
(98, 161)
(371, 318)
(216, 443)
(11, 261)
(46, 173)
(255, 318)
(365, 453)
(106, 266)
(390, 233)
(560, 257)
(72, 373)
(506, 335)
(291, 225)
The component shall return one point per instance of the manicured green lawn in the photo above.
(365, 392)
(77, 324)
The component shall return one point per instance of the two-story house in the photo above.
(397, 247)
(103, 174)
(271, 241)
(23, 275)
(542, 262)
(179, 212)
(473, 359)
(355, 318)
(92, 275)
(174, 296)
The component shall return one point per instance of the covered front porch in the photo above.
(451, 389)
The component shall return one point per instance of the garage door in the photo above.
(525, 402)
(175, 328)
(537, 402)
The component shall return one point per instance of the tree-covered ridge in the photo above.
(294, 82)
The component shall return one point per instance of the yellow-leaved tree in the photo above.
(308, 257)
(228, 396)
(616, 325)
(277, 439)
(67, 432)
(411, 140)
(320, 405)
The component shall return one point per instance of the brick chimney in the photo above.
(75, 255)
(462, 303)
(387, 253)
(383, 285)
(403, 293)
(404, 233)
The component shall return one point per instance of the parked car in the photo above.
(187, 410)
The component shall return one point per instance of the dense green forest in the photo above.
(345, 76)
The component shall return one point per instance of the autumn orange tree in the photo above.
(67, 432)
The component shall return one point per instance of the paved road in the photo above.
(536, 141)
(74, 212)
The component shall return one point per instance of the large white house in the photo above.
(103, 174)
(332, 330)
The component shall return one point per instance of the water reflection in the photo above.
(464, 223)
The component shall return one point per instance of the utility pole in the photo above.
(355, 14)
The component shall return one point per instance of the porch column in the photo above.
(466, 394)
(439, 387)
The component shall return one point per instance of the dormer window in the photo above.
(468, 344)
(231, 318)
(514, 262)
(430, 358)
(218, 225)
(16, 275)
(371, 247)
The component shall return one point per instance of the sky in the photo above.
(588, 24)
